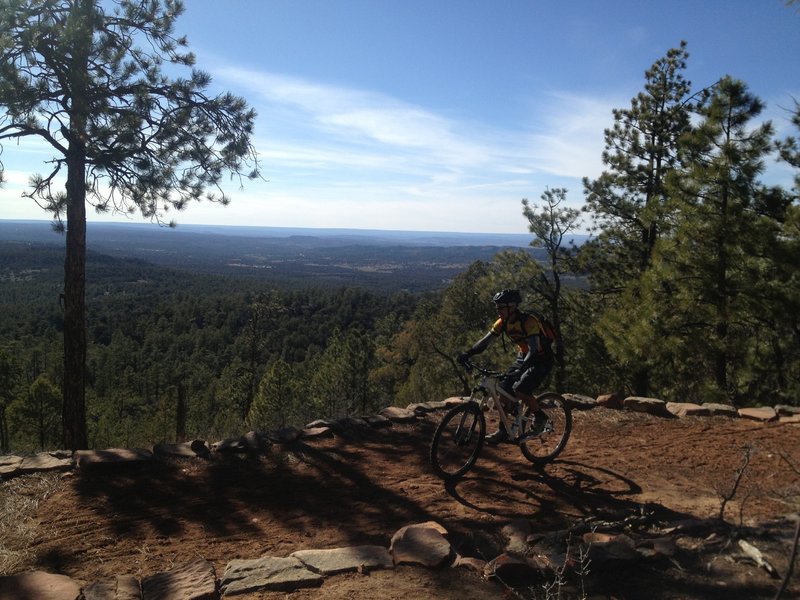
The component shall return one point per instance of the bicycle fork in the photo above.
(465, 430)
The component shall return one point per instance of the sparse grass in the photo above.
(19, 499)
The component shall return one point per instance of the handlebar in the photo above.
(481, 370)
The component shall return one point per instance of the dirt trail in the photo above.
(361, 487)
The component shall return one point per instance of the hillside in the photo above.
(656, 480)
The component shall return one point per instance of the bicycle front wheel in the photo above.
(458, 440)
(543, 447)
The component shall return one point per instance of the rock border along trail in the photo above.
(649, 528)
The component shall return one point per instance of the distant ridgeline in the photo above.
(385, 260)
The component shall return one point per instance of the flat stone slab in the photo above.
(311, 433)
(112, 456)
(267, 573)
(9, 464)
(378, 421)
(422, 408)
(764, 413)
(399, 415)
(341, 560)
(580, 402)
(38, 585)
(196, 580)
(651, 406)
(195, 449)
(122, 587)
(721, 410)
(688, 409)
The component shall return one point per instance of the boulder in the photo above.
(38, 585)
(512, 569)
(610, 550)
(421, 544)
(285, 435)
(612, 401)
(516, 534)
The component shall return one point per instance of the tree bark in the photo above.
(74, 409)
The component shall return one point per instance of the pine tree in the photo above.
(628, 201)
(713, 269)
(128, 137)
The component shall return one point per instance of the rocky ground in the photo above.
(660, 483)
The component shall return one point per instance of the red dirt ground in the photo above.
(361, 487)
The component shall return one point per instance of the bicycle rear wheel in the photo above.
(458, 440)
(548, 444)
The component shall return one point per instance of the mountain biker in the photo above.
(533, 363)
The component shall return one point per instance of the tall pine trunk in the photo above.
(74, 408)
(74, 411)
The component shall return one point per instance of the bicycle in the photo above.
(460, 435)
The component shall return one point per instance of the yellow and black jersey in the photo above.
(518, 330)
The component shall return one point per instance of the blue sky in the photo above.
(442, 115)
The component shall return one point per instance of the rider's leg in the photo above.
(529, 381)
(508, 382)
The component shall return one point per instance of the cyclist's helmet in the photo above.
(507, 297)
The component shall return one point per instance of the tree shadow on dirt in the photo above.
(553, 495)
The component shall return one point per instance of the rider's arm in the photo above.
(535, 347)
(481, 344)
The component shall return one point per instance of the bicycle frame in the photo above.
(490, 385)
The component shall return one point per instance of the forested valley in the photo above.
(688, 290)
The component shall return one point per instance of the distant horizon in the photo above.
(340, 234)
(345, 230)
